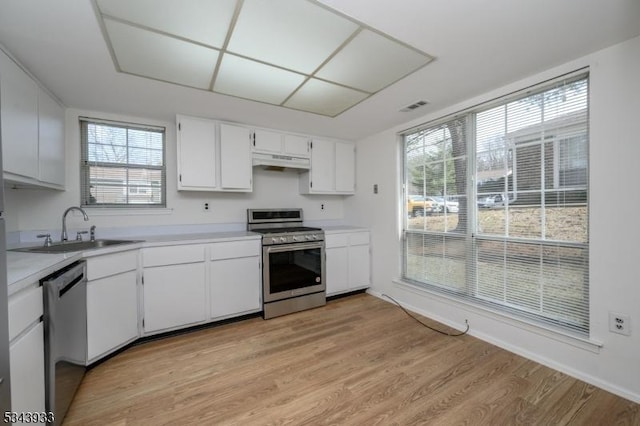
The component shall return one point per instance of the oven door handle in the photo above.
(295, 246)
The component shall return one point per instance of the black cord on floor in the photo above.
(462, 333)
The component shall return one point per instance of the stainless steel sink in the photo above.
(70, 246)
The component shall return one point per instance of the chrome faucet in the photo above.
(64, 220)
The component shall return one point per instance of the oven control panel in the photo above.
(269, 240)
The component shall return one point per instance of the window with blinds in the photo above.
(122, 164)
(505, 204)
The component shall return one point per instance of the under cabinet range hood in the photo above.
(279, 162)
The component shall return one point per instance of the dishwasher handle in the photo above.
(70, 285)
(65, 279)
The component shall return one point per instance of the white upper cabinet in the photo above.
(32, 126)
(51, 140)
(296, 145)
(267, 141)
(323, 167)
(213, 156)
(270, 142)
(345, 168)
(235, 158)
(19, 95)
(332, 169)
(196, 154)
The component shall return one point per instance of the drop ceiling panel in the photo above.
(324, 98)
(161, 57)
(297, 35)
(253, 80)
(371, 62)
(202, 21)
(294, 53)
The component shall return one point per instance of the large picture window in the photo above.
(122, 165)
(496, 203)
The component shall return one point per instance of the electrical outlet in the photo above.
(207, 207)
(619, 323)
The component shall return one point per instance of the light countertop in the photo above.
(25, 269)
(343, 228)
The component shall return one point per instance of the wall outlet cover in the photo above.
(619, 323)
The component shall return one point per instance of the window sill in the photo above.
(126, 211)
(551, 333)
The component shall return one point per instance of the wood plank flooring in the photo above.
(357, 361)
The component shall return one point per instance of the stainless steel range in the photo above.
(293, 258)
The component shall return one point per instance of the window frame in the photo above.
(472, 235)
(86, 165)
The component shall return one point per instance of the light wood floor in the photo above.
(357, 361)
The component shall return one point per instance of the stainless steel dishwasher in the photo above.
(65, 336)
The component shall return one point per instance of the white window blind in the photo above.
(516, 237)
(122, 164)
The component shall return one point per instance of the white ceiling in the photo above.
(479, 45)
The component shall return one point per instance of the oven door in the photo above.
(292, 270)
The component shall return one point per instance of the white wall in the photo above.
(614, 231)
(36, 210)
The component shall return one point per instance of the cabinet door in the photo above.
(322, 166)
(51, 140)
(235, 286)
(359, 266)
(112, 313)
(174, 296)
(297, 146)
(27, 372)
(266, 141)
(19, 121)
(235, 157)
(345, 167)
(337, 270)
(196, 153)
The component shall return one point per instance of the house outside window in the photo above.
(517, 241)
(122, 164)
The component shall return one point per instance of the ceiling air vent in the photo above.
(413, 106)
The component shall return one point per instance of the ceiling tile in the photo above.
(371, 62)
(253, 80)
(161, 57)
(205, 22)
(297, 35)
(324, 98)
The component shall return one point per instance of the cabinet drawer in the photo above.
(235, 249)
(25, 308)
(173, 255)
(359, 238)
(111, 264)
(336, 240)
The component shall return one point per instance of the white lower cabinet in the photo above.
(112, 303)
(348, 261)
(27, 372)
(174, 291)
(337, 270)
(26, 351)
(235, 281)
